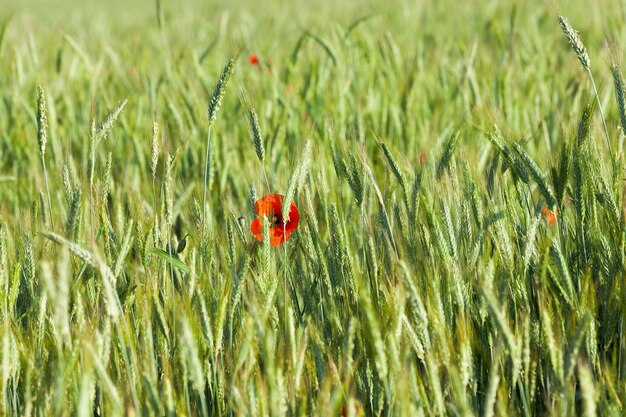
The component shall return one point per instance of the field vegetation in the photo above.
(449, 236)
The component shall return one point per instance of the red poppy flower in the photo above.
(270, 206)
(422, 158)
(357, 410)
(254, 59)
(549, 215)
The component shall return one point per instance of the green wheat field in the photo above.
(449, 239)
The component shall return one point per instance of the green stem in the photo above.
(606, 130)
(267, 183)
(206, 178)
(45, 178)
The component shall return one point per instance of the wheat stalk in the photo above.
(257, 140)
(155, 149)
(42, 138)
(581, 52)
(214, 106)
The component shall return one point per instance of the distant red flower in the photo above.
(422, 158)
(270, 206)
(549, 215)
(357, 410)
(254, 59)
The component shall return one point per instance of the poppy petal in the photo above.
(277, 202)
(549, 215)
(269, 205)
(257, 229)
(294, 219)
(276, 240)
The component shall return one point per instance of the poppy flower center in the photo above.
(277, 220)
